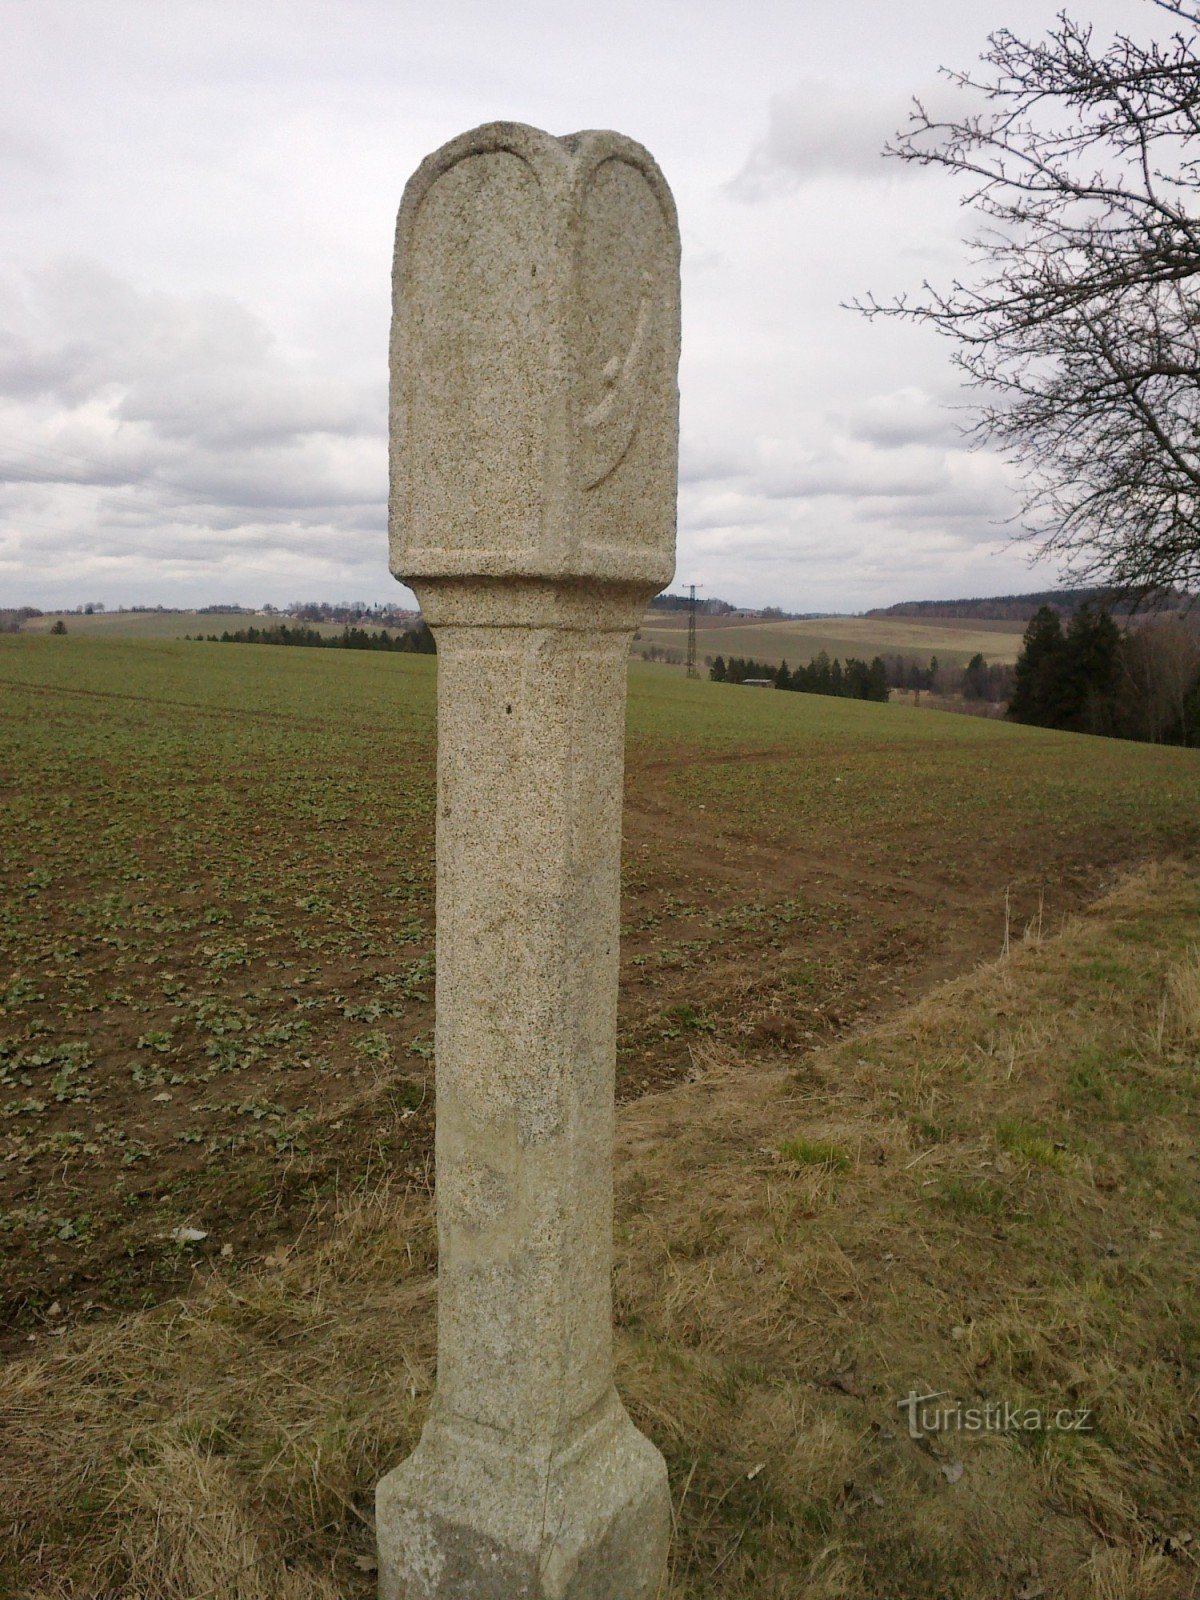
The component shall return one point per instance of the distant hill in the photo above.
(711, 607)
(1020, 607)
(667, 604)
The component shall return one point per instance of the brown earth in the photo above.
(729, 936)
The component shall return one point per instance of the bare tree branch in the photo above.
(1078, 327)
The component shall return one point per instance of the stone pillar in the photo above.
(535, 343)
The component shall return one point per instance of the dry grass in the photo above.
(995, 1196)
(1183, 999)
(224, 1445)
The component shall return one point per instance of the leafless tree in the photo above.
(1079, 322)
(1161, 671)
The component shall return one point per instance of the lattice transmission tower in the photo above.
(693, 670)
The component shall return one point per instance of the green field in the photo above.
(216, 935)
(954, 642)
(130, 624)
(159, 624)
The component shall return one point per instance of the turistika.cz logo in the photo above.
(926, 1415)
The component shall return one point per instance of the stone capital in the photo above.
(535, 344)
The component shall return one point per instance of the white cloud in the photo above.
(198, 225)
(816, 130)
(820, 129)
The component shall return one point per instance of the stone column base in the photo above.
(465, 1519)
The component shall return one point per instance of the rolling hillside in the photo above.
(953, 641)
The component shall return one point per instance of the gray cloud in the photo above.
(858, 474)
(202, 368)
(709, 461)
(196, 410)
(815, 130)
(906, 416)
(175, 426)
(821, 130)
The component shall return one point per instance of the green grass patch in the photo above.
(1029, 1143)
(815, 1153)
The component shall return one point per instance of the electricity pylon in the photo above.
(693, 670)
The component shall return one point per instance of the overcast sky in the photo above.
(198, 205)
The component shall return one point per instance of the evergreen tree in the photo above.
(717, 671)
(1037, 688)
(854, 684)
(975, 678)
(1188, 731)
(1091, 672)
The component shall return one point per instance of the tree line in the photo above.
(351, 613)
(1142, 682)
(11, 619)
(978, 680)
(1023, 607)
(856, 680)
(418, 640)
(712, 607)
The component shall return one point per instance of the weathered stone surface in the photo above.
(535, 343)
(534, 353)
(467, 1519)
